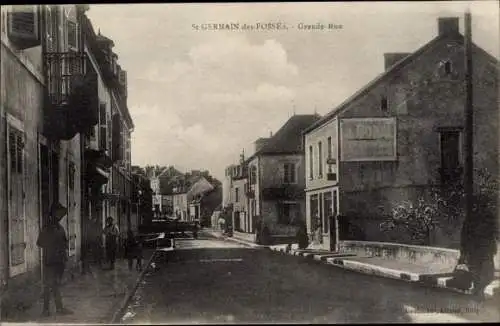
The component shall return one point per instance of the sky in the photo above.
(199, 97)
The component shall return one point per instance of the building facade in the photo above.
(107, 146)
(50, 107)
(401, 137)
(47, 102)
(276, 179)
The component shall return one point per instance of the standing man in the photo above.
(52, 239)
(111, 239)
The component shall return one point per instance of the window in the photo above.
(287, 214)
(103, 126)
(253, 174)
(329, 153)
(23, 26)
(289, 173)
(447, 67)
(236, 194)
(383, 104)
(450, 144)
(311, 163)
(320, 159)
(72, 35)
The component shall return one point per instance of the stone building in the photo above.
(400, 138)
(276, 179)
(107, 145)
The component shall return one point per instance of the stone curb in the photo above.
(340, 260)
(128, 296)
(250, 244)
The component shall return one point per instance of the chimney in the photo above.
(390, 59)
(448, 26)
(259, 143)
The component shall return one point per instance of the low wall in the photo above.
(250, 237)
(421, 255)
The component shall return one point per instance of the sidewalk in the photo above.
(94, 297)
(428, 275)
(235, 238)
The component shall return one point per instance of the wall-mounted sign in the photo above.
(368, 139)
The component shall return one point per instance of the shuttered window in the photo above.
(289, 173)
(23, 28)
(51, 36)
(102, 126)
(72, 32)
(17, 223)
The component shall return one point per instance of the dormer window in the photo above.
(383, 104)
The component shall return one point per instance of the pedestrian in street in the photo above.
(133, 251)
(111, 233)
(222, 223)
(54, 244)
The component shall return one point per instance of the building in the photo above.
(48, 101)
(276, 178)
(63, 109)
(237, 200)
(107, 145)
(399, 138)
(227, 183)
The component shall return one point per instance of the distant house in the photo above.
(236, 201)
(187, 194)
(399, 138)
(276, 178)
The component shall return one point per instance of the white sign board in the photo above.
(368, 139)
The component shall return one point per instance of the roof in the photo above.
(390, 73)
(288, 139)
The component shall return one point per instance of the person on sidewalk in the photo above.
(111, 234)
(54, 243)
(133, 250)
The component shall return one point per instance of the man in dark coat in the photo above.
(52, 239)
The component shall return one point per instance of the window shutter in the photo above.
(23, 26)
(285, 174)
(16, 198)
(72, 30)
(292, 173)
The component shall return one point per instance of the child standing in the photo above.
(133, 250)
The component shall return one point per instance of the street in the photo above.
(209, 280)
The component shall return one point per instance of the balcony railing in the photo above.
(63, 71)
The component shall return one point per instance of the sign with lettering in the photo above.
(368, 139)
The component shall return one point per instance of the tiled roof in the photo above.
(288, 139)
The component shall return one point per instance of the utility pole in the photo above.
(468, 141)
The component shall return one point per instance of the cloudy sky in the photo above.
(198, 97)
